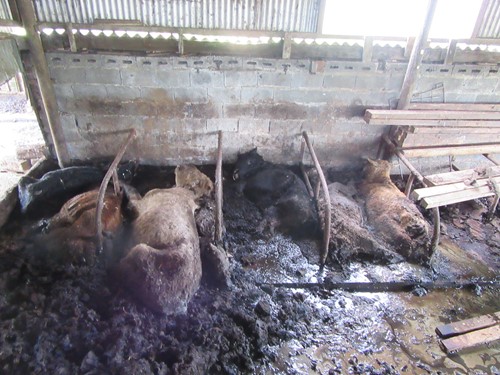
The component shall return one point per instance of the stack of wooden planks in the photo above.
(459, 186)
(470, 333)
(435, 129)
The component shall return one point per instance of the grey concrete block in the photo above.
(256, 94)
(157, 94)
(238, 110)
(344, 80)
(316, 127)
(68, 75)
(104, 76)
(253, 126)
(206, 78)
(226, 125)
(275, 79)
(69, 128)
(302, 96)
(286, 127)
(89, 91)
(172, 78)
(224, 95)
(240, 79)
(63, 91)
(136, 77)
(195, 94)
(307, 80)
(122, 92)
(181, 126)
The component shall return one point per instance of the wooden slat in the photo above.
(443, 123)
(388, 115)
(468, 325)
(450, 188)
(442, 130)
(455, 106)
(459, 176)
(458, 196)
(450, 139)
(471, 340)
(452, 150)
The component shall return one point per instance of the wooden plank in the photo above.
(442, 130)
(468, 325)
(452, 150)
(451, 188)
(457, 139)
(430, 115)
(458, 196)
(494, 107)
(428, 122)
(471, 340)
(459, 176)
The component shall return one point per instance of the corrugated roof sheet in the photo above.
(5, 10)
(488, 23)
(263, 15)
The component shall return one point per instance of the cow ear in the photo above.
(371, 161)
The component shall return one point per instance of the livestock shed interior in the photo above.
(227, 187)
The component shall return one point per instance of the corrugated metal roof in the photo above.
(263, 15)
(488, 23)
(5, 10)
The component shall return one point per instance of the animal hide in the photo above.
(396, 219)
(163, 266)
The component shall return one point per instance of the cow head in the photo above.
(247, 163)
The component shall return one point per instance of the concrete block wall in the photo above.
(177, 105)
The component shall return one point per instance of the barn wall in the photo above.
(177, 104)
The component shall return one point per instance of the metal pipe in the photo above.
(104, 184)
(218, 193)
(302, 169)
(435, 211)
(409, 185)
(328, 211)
(27, 14)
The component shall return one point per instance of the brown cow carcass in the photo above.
(395, 218)
(163, 267)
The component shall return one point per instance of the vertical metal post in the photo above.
(27, 14)
(218, 193)
(328, 209)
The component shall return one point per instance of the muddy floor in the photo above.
(79, 320)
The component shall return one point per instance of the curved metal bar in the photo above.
(104, 184)
(218, 193)
(328, 214)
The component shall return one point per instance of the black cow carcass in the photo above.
(279, 193)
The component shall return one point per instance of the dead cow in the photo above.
(163, 266)
(395, 218)
(71, 234)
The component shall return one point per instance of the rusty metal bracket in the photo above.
(328, 210)
(104, 185)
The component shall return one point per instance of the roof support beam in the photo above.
(416, 58)
(27, 14)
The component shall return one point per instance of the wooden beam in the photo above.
(459, 176)
(455, 106)
(71, 38)
(27, 13)
(435, 191)
(368, 49)
(416, 58)
(219, 221)
(287, 47)
(445, 140)
(444, 131)
(452, 150)
(492, 159)
(443, 123)
(458, 196)
(468, 325)
(450, 52)
(14, 11)
(471, 340)
(429, 115)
